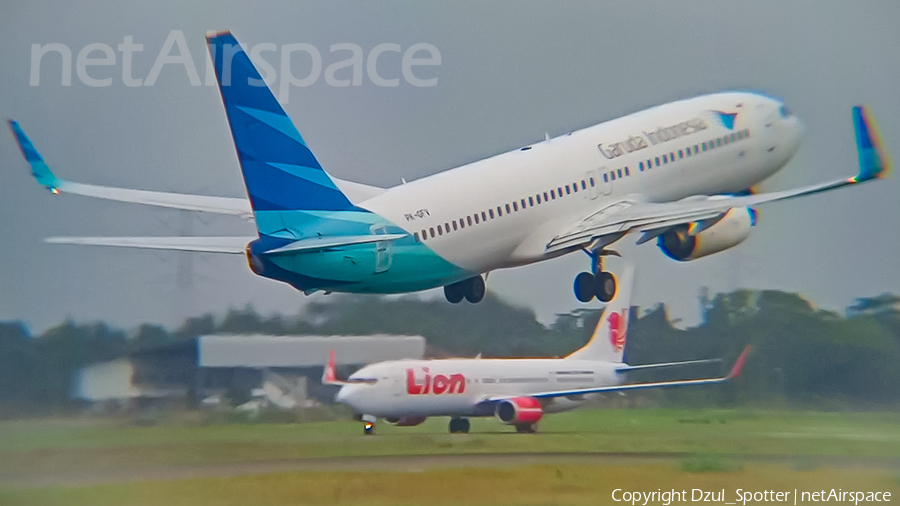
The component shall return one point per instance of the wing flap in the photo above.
(227, 245)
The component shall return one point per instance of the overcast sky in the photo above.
(509, 72)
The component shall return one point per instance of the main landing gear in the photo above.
(526, 428)
(597, 283)
(460, 425)
(471, 289)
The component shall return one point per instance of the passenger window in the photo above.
(416, 236)
(469, 220)
(612, 175)
(605, 178)
(539, 198)
(559, 191)
(515, 206)
(462, 223)
(454, 226)
(432, 232)
(523, 204)
(546, 197)
(592, 182)
(657, 161)
(484, 216)
(619, 172)
(440, 230)
(553, 194)
(641, 166)
(499, 211)
(568, 190)
(531, 201)
(476, 219)
(507, 209)
(718, 143)
(575, 187)
(696, 149)
(627, 173)
(725, 140)
(491, 213)
(687, 152)
(680, 154)
(672, 156)
(704, 146)
(583, 186)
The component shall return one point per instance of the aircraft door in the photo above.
(384, 250)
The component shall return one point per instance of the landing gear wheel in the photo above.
(605, 287)
(526, 428)
(474, 288)
(455, 293)
(584, 287)
(369, 429)
(464, 425)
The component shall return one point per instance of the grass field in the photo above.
(532, 485)
(46, 448)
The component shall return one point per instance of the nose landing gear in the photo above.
(598, 283)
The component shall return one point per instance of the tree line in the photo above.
(802, 356)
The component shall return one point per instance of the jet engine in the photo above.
(519, 410)
(728, 231)
(406, 421)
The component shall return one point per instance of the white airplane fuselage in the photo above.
(454, 387)
(503, 211)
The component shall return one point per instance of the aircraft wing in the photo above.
(43, 174)
(609, 224)
(735, 372)
(229, 245)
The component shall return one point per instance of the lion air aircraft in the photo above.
(517, 391)
(680, 173)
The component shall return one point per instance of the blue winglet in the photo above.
(873, 163)
(39, 169)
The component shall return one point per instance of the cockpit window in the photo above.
(784, 111)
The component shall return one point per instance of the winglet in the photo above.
(329, 377)
(873, 161)
(739, 364)
(39, 169)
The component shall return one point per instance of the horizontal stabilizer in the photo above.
(334, 241)
(228, 245)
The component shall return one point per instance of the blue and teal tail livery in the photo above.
(280, 171)
(38, 168)
(873, 161)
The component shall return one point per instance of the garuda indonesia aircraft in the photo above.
(517, 391)
(680, 173)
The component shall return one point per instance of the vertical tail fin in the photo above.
(607, 343)
(280, 171)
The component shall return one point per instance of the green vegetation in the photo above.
(528, 485)
(802, 356)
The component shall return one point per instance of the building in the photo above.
(282, 370)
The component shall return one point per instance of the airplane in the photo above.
(518, 391)
(681, 173)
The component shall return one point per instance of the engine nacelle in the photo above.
(519, 410)
(729, 231)
(406, 421)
